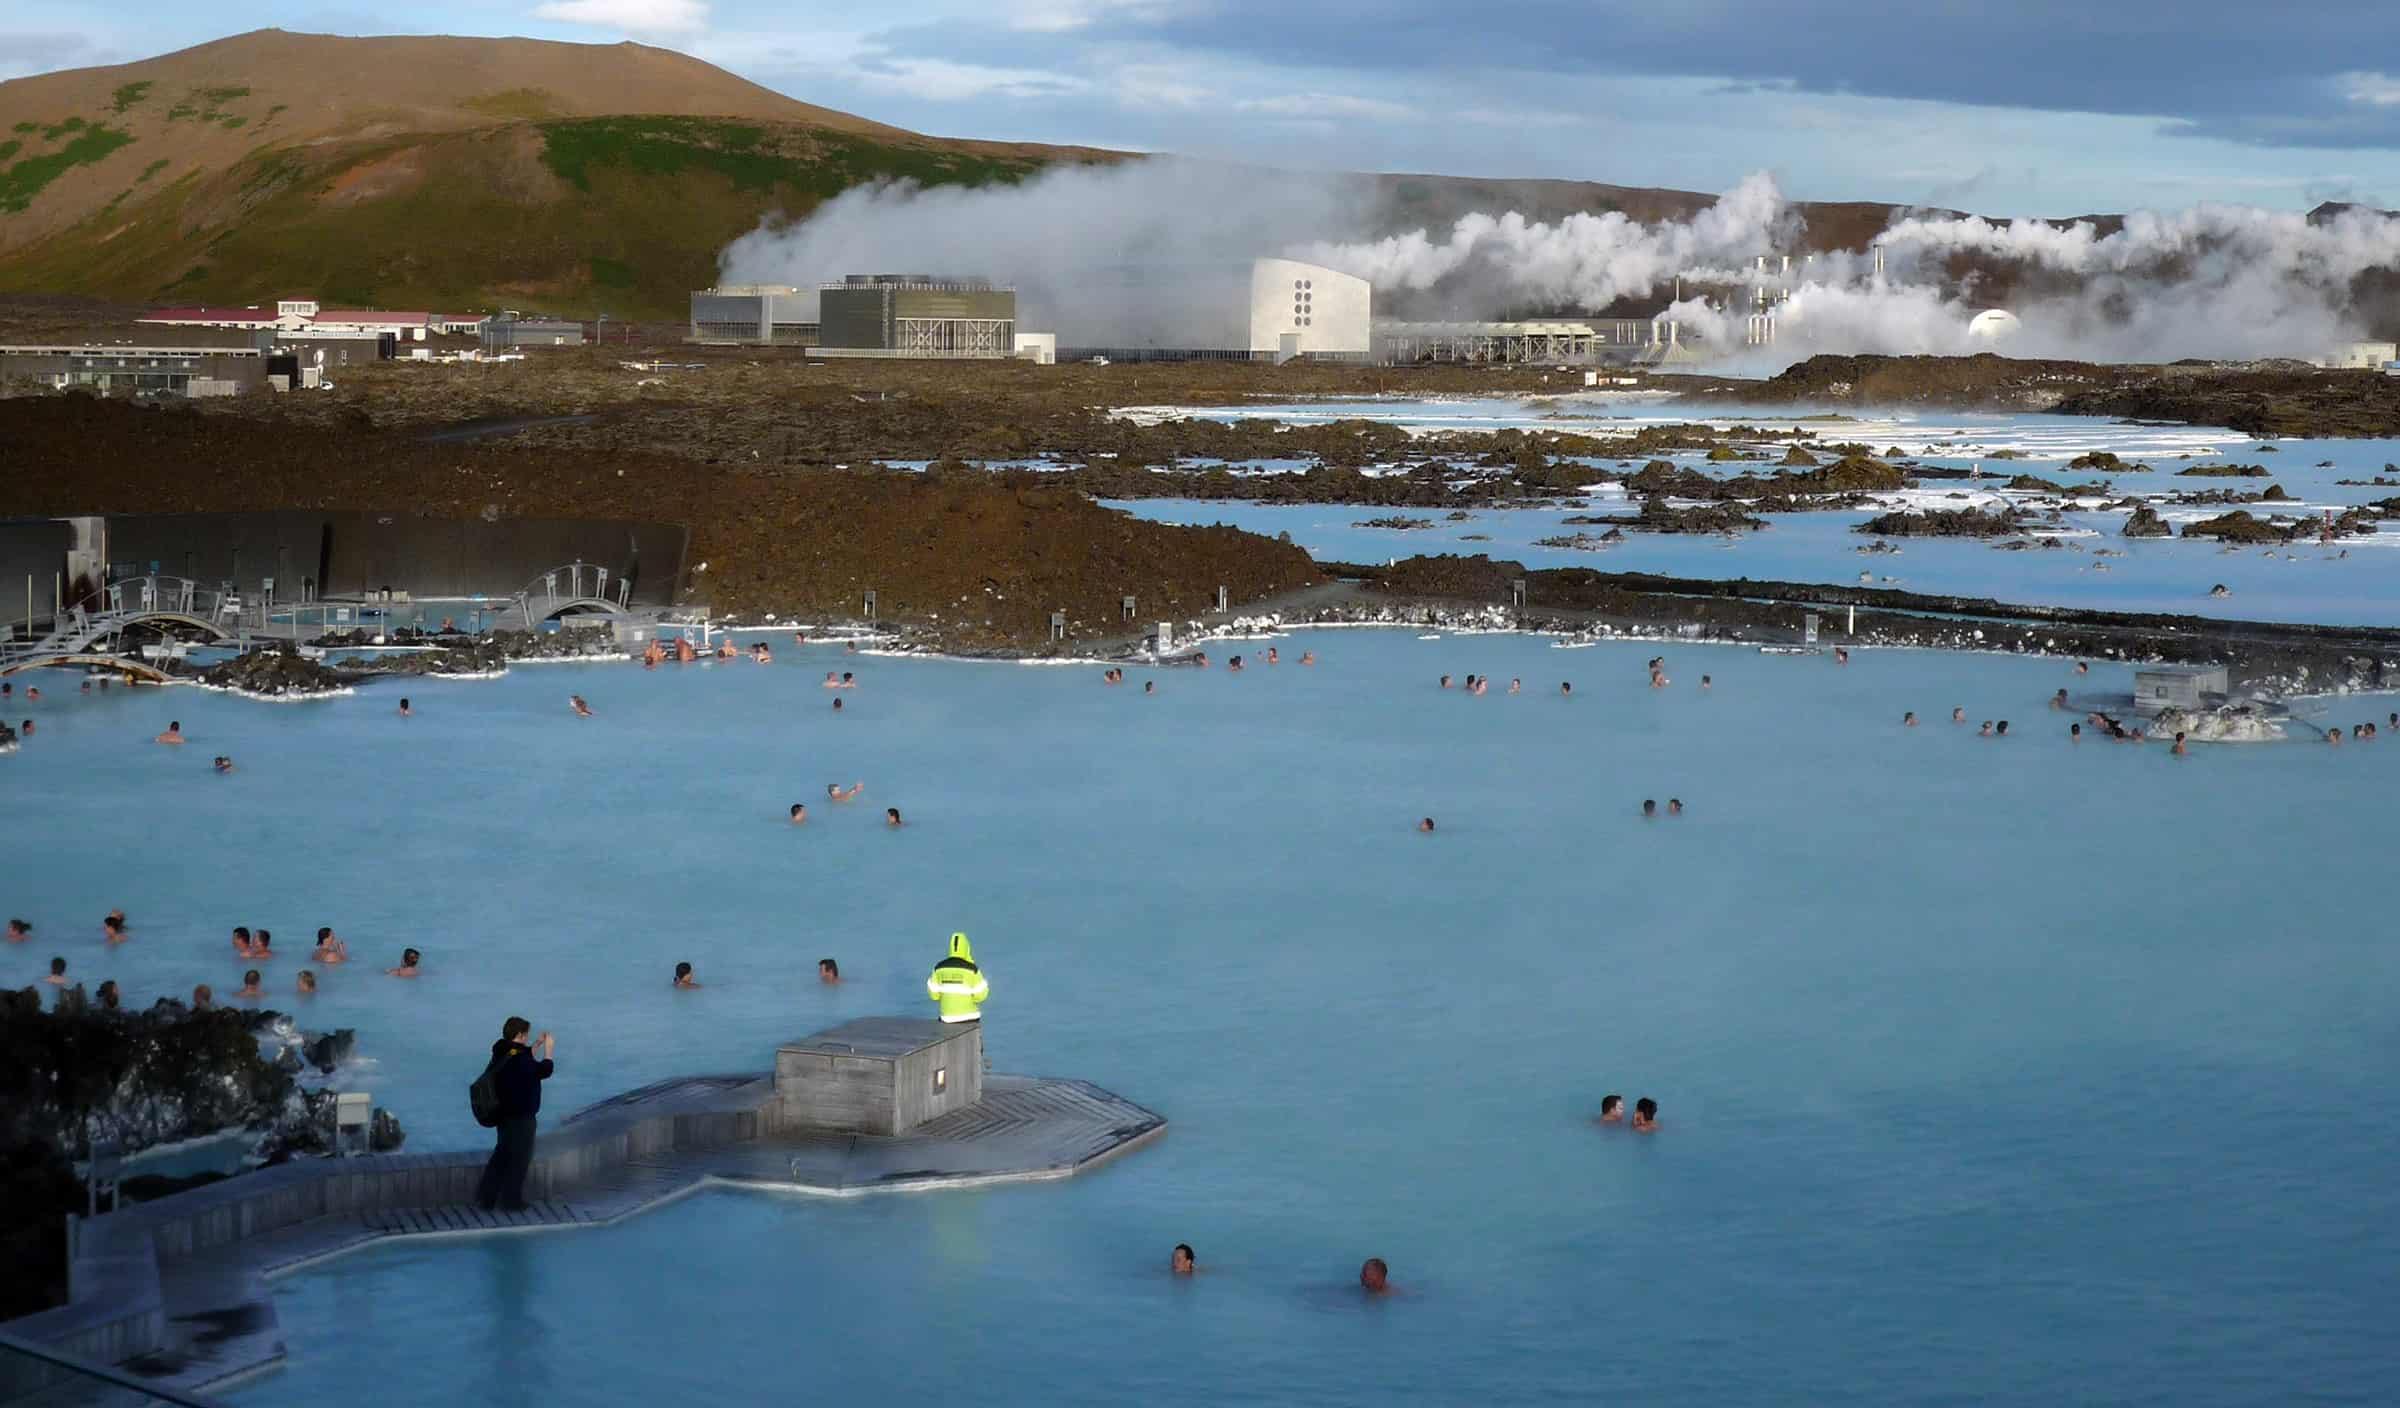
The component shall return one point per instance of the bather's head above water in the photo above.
(1375, 1276)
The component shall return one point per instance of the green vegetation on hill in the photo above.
(21, 181)
(819, 163)
(127, 95)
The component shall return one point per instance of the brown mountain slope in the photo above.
(200, 110)
(426, 172)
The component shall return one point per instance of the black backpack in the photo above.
(483, 1097)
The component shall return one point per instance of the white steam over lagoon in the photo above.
(2213, 280)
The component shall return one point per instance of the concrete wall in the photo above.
(35, 547)
(348, 553)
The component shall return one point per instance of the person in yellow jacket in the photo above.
(957, 984)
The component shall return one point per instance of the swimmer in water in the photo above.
(1149, 686)
(1309, 657)
(1272, 657)
(409, 959)
(1986, 730)
(2075, 732)
(26, 728)
(891, 816)
(725, 649)
(223, 763)
(33, 694)
(1515, 683)
(1182, 1261)
(832, 680)
(2059, 700)
(2002, 730)
(836, 792)
(1658, 679)
(849, 681)
(828, 971)
(204, 998)
(837, 706)
(250, 987)
(242, 943)
(1612, 1109)
(761, 654)
(112, 929)
(1445, 681)
(1645, 1116)
(58, 973)
(653, 655)
(1375, 1277)
(330, 948)
(1649, 808)
(1426, 824)
(263, 946)
(19, 931)
(1705, 682)
(683, 976)
(2334, 737)
(174, 733)
(799, 813)
(2081, 668)
(2178, 750)
(308, 983)
(1234, 665)
(405, 711)
(1674, 806)
(1566, 689)
(1909, 719)
(1841, 655)
(582, 710)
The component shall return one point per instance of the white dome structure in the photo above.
(1993, 324)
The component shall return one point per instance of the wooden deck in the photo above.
(600, 1165)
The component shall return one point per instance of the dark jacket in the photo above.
(520, 1079)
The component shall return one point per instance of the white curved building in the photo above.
(1264, 310)
(1300, 310)
(1992, 324)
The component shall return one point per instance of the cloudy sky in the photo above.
(2028, 107)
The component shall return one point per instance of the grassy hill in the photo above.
(426, 172)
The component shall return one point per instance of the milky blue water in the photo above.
(2354, 583)
(1992, 1071)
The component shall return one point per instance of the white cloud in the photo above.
(943, 81)
(1319, 105)
(630, 16)
(2375, 90)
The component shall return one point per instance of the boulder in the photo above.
(2144, 522)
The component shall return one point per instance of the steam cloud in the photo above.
(2218, 281)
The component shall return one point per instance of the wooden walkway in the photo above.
(221, 1321)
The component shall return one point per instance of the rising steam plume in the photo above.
(2223, 281)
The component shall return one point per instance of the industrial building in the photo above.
(304, 316)
(503, 333)
(2361, 356)
(200, 362)
(764, 315)
(1265, 310)
(1626, 341)
(915, 315)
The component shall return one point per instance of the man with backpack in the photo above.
(507, 1097)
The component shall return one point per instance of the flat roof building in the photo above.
(170, 362)
(502, 333)
(762, 315)
(916, 315)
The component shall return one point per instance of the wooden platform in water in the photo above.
(217, 1247)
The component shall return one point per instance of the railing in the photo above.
(33, 1374)
(547, 592)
